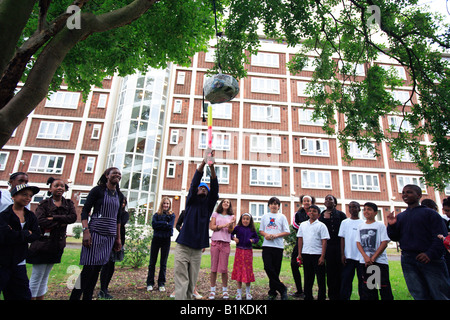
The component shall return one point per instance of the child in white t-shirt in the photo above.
(273, 227)
(312, 244)
(372, 242)
(348, 231)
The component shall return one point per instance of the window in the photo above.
(222, 173)
(174, 136)
(171, 168)
(265, 113)
(314, 147)
(265, 177)
(177, 105)
(356, 152)
(220, 141)
(210, 55)
(96, 131)
(262, 59)
(43, 163)
(265, 144)
(395, 122)
(102, 100)
(301, 89)
(309, 65)
(55, 130)
(404, 180)
(90, 165)
(364, 182)
(402, 96)
(350, 68)
(3, 160)
(265, 85)
(219, 111)
(258, 209)
(82, 199)
(63, 99)
(313, 179)
(38, 197)
(180, 77)
(399, 70)
(305, 117)
(447, 190)
(404, 156)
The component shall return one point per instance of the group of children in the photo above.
(420, 231)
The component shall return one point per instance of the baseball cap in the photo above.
(21, 187)
(203, 185)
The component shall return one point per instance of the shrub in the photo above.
(77, 230)
(137, 245)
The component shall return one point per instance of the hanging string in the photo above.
(218, 34)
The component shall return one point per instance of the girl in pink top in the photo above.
(222, 224)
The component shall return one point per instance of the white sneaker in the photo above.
(162, 289)
(238, 296)
(212, 295)
(248, 296)
(149, 288)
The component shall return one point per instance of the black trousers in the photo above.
(272, 259)
(311, 269)
(296, 270)
(88, 278)
(14, 283)
(162, 244)
(370, 288)
(348, 274)
(333, 265)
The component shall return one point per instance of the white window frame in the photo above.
(174, 135)
(265, 85)
(266, 177)
(357, 67)
(305, 118)
(313, 179)
(261, 113)
(403, 180)
(222, 174)
(177, 106)
(220, 141)
(447, 190)
(3, 155)
(63, 100)
(265, 144)
(181, 77)
(96, 131)
(358, 153)
(365, 182)
(171, 169)
(82, 198)
(43, 161)
(102, 99)
(255, 209)
(219, 111)
(400, 70)
(394, 123)
(90, 165)
(402, 96)
(301, 89)
(314, 147)
(309, 65)
(54, 130)
(210, 55)
(264, 59)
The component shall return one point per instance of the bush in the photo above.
(290, 241)
(137, 245)
(77, 230)
(258, 245)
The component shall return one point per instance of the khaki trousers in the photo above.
(186, 268)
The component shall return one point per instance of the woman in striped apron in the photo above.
(101, 233)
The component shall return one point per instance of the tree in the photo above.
(127, 35)
(343, 34)
(82, 41)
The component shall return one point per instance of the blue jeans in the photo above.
(426, 281)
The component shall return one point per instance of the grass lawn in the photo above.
(63, 272)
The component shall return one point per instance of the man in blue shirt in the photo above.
(422, 260)
(194, 234)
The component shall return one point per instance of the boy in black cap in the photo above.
(22, 228)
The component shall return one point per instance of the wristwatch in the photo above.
(84, 229)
